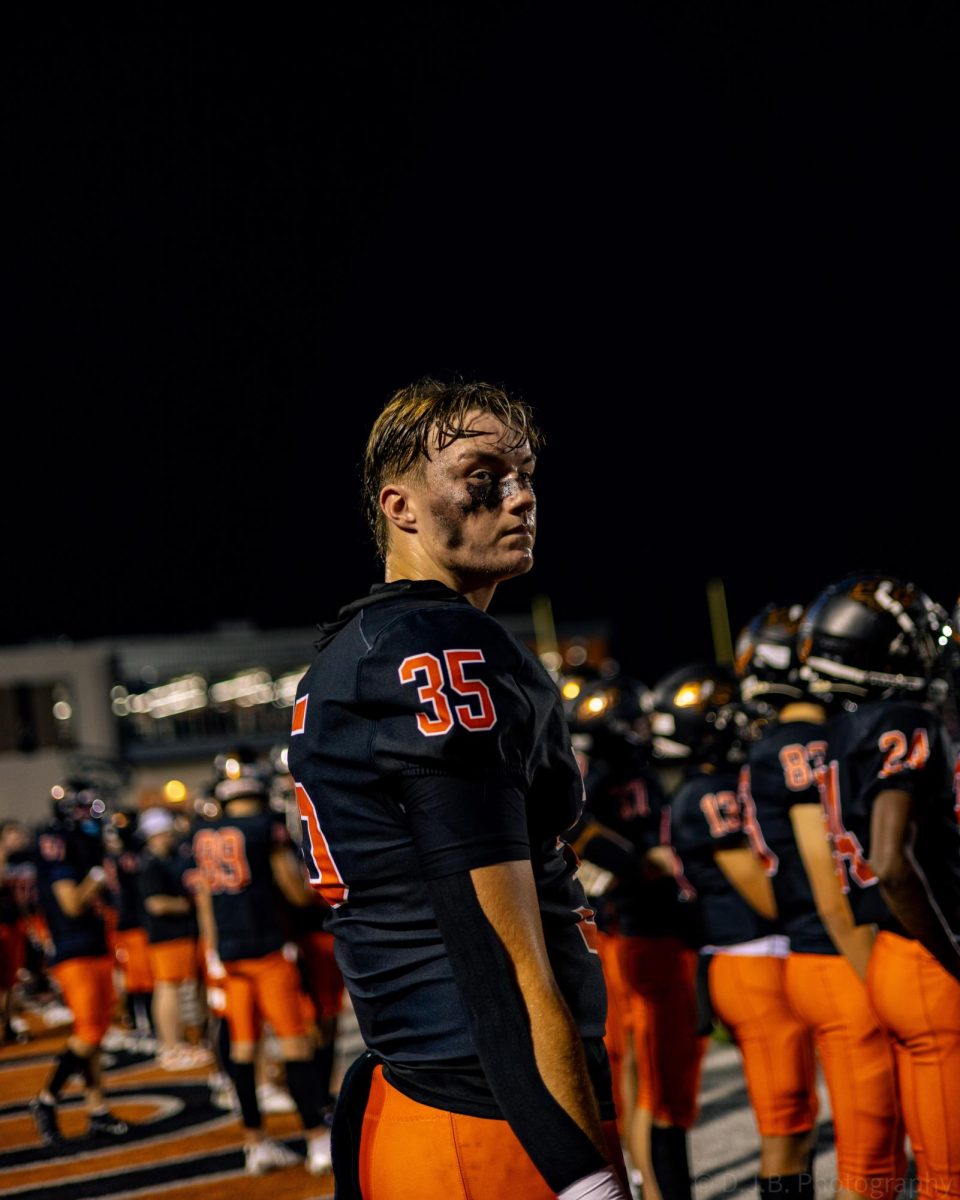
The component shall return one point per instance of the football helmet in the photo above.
(949, 641)
(78, 811)
(693, 713)
(616, 703)
(77, 803)
(765, 659)
(240, 777)
(608, 714)
(871, 637)
(572, 685)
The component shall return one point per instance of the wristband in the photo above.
(215, 968)
(601, 1185)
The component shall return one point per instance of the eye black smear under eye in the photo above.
(492, 492)
(482, 495)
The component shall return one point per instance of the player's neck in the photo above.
(814, 714)
(406, 566)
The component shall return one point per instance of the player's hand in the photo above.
(97, 874)
(217, 1001)
(601, 1185)
(215, 968)
(595, 880)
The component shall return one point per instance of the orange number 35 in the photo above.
(479, 713)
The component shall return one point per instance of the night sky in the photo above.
(714, 246)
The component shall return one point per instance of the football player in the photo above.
(828, 953)
(14, 851)
(648, 962)
(70, 879)
(128, 942)
(435, 776)
(693, 718)
(171, 924)
(320, 976)
(243, 857)
(872, 644)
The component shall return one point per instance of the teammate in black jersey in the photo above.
(319, 973)
(693, 717)
(435, 776)
(871, 646)
(244, 857)
(828, 952)
(171, 924)
(70, 880)
(128, 941)
(648, 962)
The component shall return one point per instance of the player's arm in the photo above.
(854, 942)
(288, 877)
(597, 843)
(167, 906)
(508, 899)
(661, 861)
(744, 872)
(75, 898)
(901, 882)
(207, 929)
(525, 1037)
(206, 919)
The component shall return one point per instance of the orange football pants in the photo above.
(409, 1149)
(659, 977)
(918, 1003)
(749, 997)
(267, 988)
(87, 986)
(617, 1015)
(174, 961)
(858, 1064)
(132, 952)
(324, 981)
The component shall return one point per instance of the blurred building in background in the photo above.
(145, 717)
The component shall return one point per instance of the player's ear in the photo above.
(399, 507)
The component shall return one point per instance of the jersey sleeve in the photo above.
(452, 724)
(279, 835)
(152, 881)
(54, 858)
(707, 821)
(907, 750)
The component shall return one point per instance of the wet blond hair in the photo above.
(399, 440)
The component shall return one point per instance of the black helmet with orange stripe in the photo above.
(872, 637)
(765, 658)
(240, 776)
(694, 714)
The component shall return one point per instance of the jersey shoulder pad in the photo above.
(445, 686)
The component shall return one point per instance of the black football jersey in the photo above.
(233, 855)
(428, 742)
(73, 937)
(626, 796)
(165, 877)
(707, 816)
(123, 883)
(782, 770)
(20, 877)
(893, 744)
